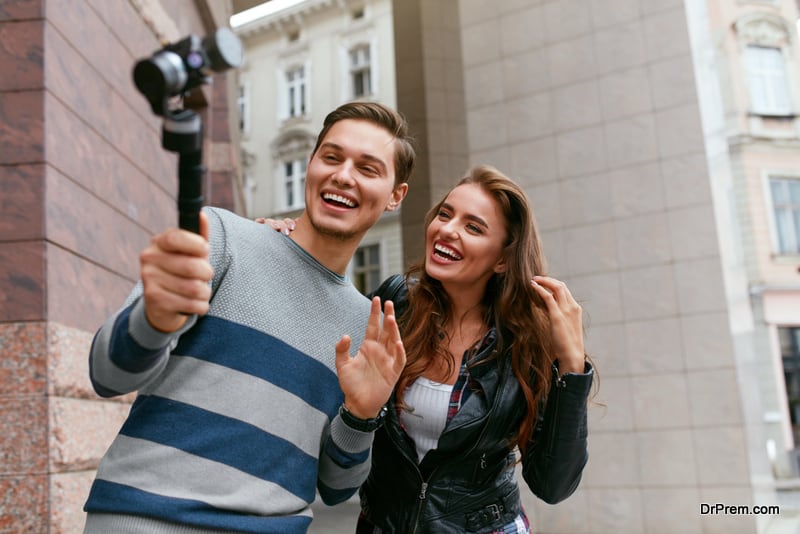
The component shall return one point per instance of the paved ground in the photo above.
(339, 519)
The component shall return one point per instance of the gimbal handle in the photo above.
(182, 132)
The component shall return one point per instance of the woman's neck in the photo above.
(465, 304)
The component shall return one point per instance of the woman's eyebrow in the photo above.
(469, 216)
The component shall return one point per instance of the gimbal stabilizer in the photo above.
(175, 70)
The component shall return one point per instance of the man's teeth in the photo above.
(340, 199)
(446, 251)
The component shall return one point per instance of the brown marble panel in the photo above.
(128, 26)
(88, 33)
(132, 131)
(78, 152)
(23, 441)
(23, 503)
(21, 202)
(81, 294)
(22, 291)
(219, 98)
(21, 9)
(186, 16)
(221, 193)
(21, 127)
(220, 131)
(80, 222)
(23, 359)
(141, 145)
(64, 66)
(21, 55)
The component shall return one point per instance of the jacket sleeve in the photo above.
(553, 463)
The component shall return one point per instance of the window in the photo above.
(295, 182)
(790, 351)
(769, 86)
(243, 103)
(367, 268)
(785, 195)
(360, 71)
(290, 152)
(296, 91)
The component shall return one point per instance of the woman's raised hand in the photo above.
(368, 378)
(566, 318)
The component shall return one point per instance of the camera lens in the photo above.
(161, 73)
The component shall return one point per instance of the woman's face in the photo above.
(464, 242)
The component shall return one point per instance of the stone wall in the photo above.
(84, 183)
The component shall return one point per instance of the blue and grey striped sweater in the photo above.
(235, 425)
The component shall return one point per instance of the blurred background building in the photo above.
(303, 60)
(659, 143)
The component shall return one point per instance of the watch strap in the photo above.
(362, 425)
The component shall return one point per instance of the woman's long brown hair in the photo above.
(510, 303)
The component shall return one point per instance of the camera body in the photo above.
(175, 70)
(181, 66)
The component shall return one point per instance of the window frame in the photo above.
(772, 218)
(299, 165)
(794, 427)
(354, 271)
(244, 107)
(768, 31)
(776, 100)
(284, 88)
(355, 69)
(294, 98)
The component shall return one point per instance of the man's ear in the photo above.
(398, 195)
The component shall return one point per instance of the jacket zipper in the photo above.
(424, 487)
(560, 384)
(422, 494)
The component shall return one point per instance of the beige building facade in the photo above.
(658, 141)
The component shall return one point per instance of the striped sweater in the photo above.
(235, 425)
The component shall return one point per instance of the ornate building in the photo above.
(305, 58)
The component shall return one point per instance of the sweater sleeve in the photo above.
(554, 461)
(127, 353)
(344, 462)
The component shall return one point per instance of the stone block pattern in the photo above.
(23, 418)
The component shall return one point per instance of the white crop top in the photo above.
(429, 401)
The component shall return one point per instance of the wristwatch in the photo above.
(362, 425)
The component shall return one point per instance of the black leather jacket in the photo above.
(467, 484)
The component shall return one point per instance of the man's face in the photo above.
(350, 179)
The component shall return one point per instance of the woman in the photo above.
(495, 366)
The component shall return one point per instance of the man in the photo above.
(242, 411)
